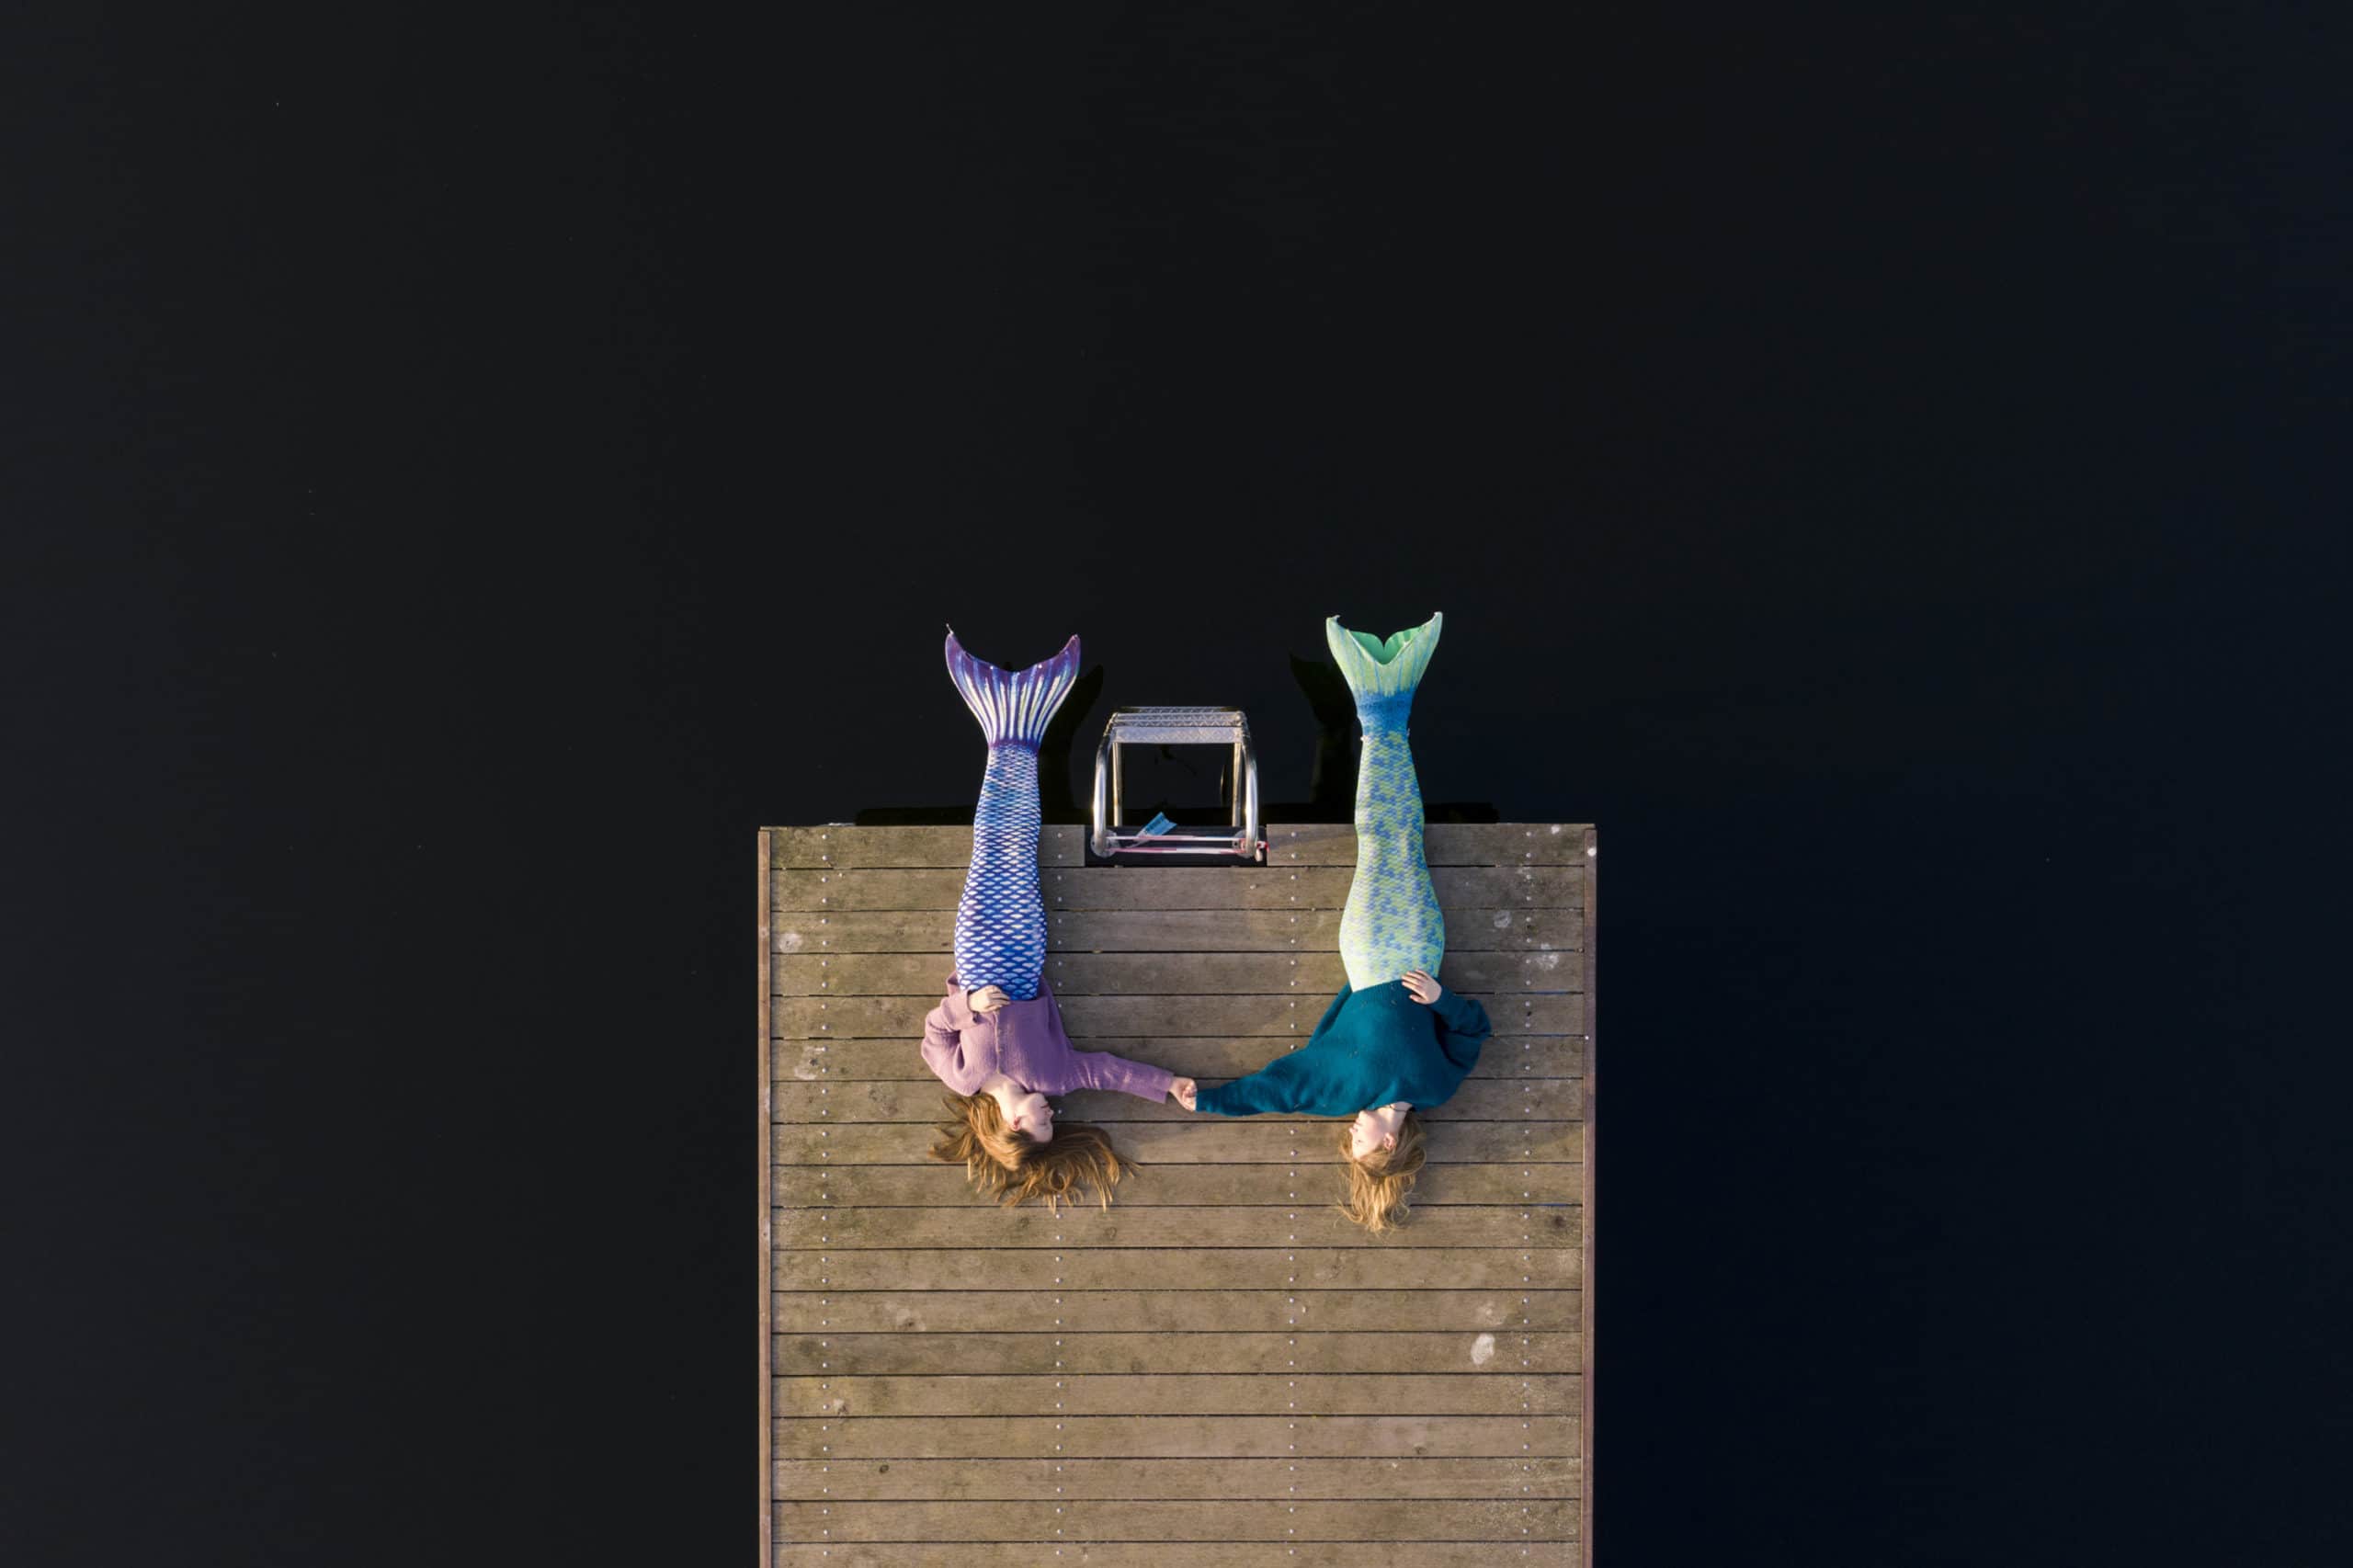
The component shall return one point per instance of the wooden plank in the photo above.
(1443, 844)
(1209, 1140)
(1363, 1354)
(918, 1100)
(900, 1017)
(1584, 1477)
(1310, 1224)
(822, 892)
(1320, 975)
(867, 931)
(1219, 888)
(1207, 1393)
(840, 847)
(1468, 930)
(1383, 1352)
(1522, 1056)
(1194, 1554)
(1524, 886)
(1146, 1436)
(1361, 1520)
(1172, 1312)
(1303, 1268)
(1155, 1479)
(1268, 1185)
(768, 1242)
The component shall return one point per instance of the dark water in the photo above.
(1887, 475)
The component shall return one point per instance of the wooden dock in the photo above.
(1220, 1370)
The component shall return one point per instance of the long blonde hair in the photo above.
(1014, 1167)
(1380, 1184)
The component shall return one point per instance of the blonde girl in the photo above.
(1393, 1039)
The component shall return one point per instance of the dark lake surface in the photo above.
(1888, 476)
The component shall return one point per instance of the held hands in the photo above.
(1183, 1090)
(1422, 985)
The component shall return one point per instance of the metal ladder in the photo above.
(1112, 841)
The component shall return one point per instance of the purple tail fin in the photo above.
(1014, 707)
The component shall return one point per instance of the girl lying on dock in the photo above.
(996, 1038)
(1393, 1039)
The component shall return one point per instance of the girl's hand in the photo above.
(987, 999)
(1423, 986)
(1183, 1090)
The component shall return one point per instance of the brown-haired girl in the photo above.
(1000, 1046)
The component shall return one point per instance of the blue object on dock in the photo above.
(1159, 824)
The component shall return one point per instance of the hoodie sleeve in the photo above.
(1075, 1069)
(945, 1030)
(1283, 1085)
(1287, 1083)
(1462, 1028)
(1101, 1070)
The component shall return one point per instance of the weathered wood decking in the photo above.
(1220, 1370)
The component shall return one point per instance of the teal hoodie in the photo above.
(1372, 1048)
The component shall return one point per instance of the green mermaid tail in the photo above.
(1391, 923)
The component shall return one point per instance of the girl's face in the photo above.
(1372, 1130)
(1029, 1113)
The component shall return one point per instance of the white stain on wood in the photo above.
(1546, 960)
(1503, 919)
(1482, 1350)
(788, 941)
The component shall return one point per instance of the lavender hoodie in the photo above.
(1025, 1040)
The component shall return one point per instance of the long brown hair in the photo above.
(1014, 1167)
(1380, 1184)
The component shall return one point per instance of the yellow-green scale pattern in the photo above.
(1391, 923)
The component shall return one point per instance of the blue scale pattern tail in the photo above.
(1391, 923)
(1001, 920)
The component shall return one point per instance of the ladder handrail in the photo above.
(1133, 726)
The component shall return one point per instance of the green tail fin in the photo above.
(1381, 675)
